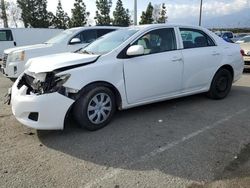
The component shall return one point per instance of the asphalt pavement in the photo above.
(191, 142)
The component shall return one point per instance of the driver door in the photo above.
(157, 73)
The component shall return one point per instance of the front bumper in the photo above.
(51, 108)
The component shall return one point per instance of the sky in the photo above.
(216, 13)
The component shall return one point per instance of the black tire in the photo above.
(81, 108)
(221, 84)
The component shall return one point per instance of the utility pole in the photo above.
(135, 12)
(200, 14)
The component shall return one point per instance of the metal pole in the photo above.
(135, 12)
(200, 13)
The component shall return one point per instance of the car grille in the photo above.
(5, 56)
(247, 62)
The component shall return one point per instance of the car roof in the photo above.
(152, 26)
(93, 27)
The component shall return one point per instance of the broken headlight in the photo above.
(58, 82)
(48, 82)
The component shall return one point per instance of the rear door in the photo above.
(157, 73)
(201, 59)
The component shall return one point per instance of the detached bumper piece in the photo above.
(8, 97)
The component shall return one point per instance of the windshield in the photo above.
(60, 37)
(109, 42)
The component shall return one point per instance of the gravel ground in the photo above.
(192, 142)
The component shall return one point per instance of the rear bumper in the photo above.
(247, 64)
(50, 109)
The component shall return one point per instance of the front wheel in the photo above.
(95, 108)
(221, 84)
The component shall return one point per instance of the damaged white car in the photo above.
(126, 68)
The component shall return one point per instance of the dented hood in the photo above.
(57, 61)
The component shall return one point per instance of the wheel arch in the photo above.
(88, 87)
(227, 67)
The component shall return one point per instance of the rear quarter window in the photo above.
(6, 35)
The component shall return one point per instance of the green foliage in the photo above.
(34, 13)
(61, 20)
(163, 17)
(102, 13)
(147, 17)
(79, 14)
(121, 16)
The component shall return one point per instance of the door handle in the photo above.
(176, 59)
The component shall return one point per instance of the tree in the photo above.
(163, 17)
(14, 13)
(4, 14)
(147, 17)
(34, 13)
(102, 13)
(79, 14)
(61, 20)
(121, 16)
(27, 7)
(159, 13)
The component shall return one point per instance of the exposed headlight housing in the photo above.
(16, 56)
(42, 83)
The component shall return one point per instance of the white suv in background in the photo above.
(14, 59)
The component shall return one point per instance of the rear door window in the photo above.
(193, 38)
(101, 32)
(228, 35)
(88, 36)
(6, 35)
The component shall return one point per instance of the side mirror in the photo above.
(135, 50)
(75, 41)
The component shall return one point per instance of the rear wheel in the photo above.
(95, 109)
(221, 84)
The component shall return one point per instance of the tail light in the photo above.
(242, 52)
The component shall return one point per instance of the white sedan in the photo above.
(126, 68)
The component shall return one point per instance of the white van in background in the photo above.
(13, 37)
(69, 40)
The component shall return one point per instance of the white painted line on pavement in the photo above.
(157, 151)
